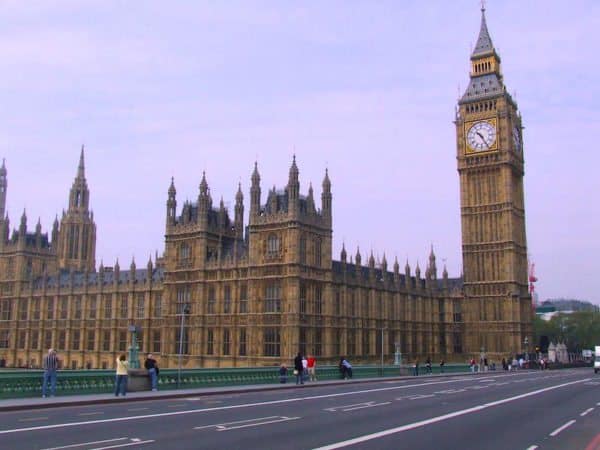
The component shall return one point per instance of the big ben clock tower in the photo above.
(490, 166)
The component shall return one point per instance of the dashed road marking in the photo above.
(586, 412)
(247, 423)
(533, 447)
(563, 427)
(31, 419)
(82, 444)
(90, 413)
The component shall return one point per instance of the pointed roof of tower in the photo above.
(81, 167)
(239, 196)
(203, 184)
(294, 168)
(172, 190)
(484, 44)
(255, 174)
(326, 181)
(3, 168)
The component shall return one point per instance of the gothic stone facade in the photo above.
(256, 294)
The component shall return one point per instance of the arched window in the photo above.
(302, 249)
(273, 245)
(317, 253)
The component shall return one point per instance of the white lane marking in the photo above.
(281, 419)
(335, 408)
(561, 428)
(193, 398)
(90, 413)
(450, 391)
(366, 406)
(137, 409)
(226, 426)
(586, 412)
(533, 447)
(223, 408)
(502, 384)
(236, 422)
(136, 442)
(441, 418)
(87, 443)
(31, 419)
(176, 406)
(419, 397)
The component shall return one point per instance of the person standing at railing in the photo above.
(312, 366)
(50, 365)
(121, 378)
(299, 369)
(152, 367)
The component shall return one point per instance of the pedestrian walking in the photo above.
(442, 364)
(50, 365)
(283, 374)
(312, 366)
(152, 367)
(472, 365)
(416, 367)
(121, 376)
(304, 368)
(428, 365)
(299, 369)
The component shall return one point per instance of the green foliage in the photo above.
(579, 330)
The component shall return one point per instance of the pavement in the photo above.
(95, 399)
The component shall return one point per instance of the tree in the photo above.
(579, 330)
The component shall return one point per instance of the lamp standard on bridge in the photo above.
(184, 312)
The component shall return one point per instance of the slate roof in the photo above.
(484, 86)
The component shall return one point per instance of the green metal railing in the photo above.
(28, 383)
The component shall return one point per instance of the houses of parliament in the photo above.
(256, 293)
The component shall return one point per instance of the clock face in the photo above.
(481, 136)
(516, 139)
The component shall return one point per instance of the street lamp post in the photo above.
(184, 312)
(526, 343)
(382, 350)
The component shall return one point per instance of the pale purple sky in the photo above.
(367, 89)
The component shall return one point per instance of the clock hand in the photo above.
(482, 138)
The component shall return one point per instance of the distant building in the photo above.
(259, 293)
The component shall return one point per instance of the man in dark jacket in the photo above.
(298, 369)
(152, 367)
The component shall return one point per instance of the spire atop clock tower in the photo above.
(484, 44)
(486, 74)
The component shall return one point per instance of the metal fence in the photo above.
(28, 383)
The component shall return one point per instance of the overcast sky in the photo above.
(156, 89)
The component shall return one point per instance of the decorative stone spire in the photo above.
(239, 213)
(293, 188)
(171, 204)
(484, 44)
(149, 267)
(358, 258)
(326, 197)
(255, 193)
(371, 261)
(3, 187)
(23, 225)
(203, 184)
(343, 254)
(384, 265)
(38, 227)
(396, 266)
(310, 200)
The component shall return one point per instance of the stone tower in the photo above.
(77, 236)
(491, 169)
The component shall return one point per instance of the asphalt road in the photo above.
(494, 410)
